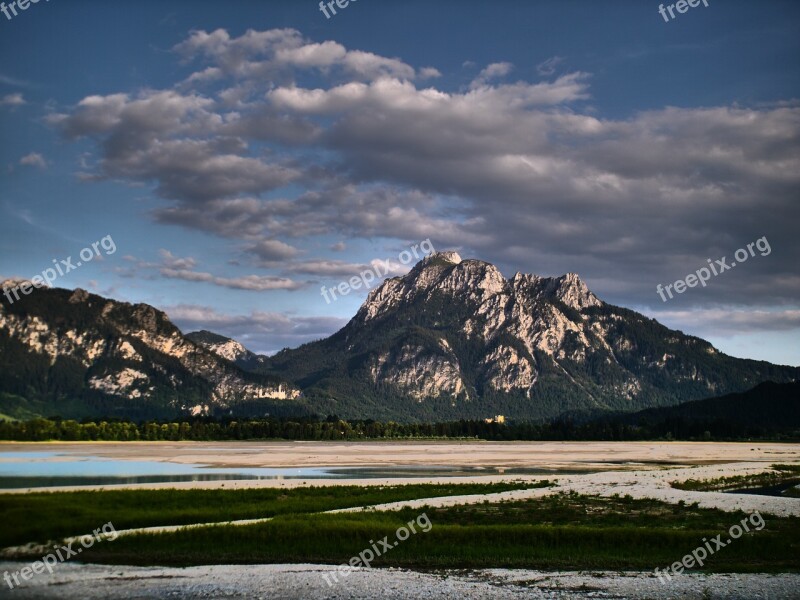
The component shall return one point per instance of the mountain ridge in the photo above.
(453, 338)
(73, 352)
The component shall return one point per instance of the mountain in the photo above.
(73, 353)
(769, 405)
(455, 339)
(452, 339)
(228, 349)
(769, 410)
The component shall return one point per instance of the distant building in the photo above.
(496, 419)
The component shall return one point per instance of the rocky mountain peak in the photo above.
(78, 296)
(227, 348)
(438, 272)
(472, 281)
(454, 337)
(447, 256)
(572, 291)
(122, 358)
(430, 268)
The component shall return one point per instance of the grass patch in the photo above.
(556, 532)
(781, 474)
(44, 516)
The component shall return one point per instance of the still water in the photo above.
(63, 468)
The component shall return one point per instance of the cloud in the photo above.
(548, 67)
(5, 79)
(163, 137)
(327, 268)
(275, 53)
(260, 332)
(34, 159)
(12, 100)
(354, 211)
(272, 251)
(728, 321)
(493, 71)
(429, 73)
(184, 268)
(253, 283)
(278, 137)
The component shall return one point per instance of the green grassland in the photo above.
(556, 532)
(44, 516)
(559, 531)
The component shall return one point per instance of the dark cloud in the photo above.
(523, 174)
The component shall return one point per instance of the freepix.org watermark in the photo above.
(379, 548)
(61, 554)
(17, 4)
(330, 6)
(59, 269)
(701, 553)
(703, 274)
(681, 6)
(380, 268)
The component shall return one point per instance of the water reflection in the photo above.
(49, 469)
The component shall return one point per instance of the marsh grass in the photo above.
(556, 532)
(44, 516)
(782, 474)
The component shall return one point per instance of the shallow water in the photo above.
(46, 469)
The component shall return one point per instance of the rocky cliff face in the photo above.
(456, 335)
(226, 348)
(524, 309)
(130, 353)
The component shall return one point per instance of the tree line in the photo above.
(334, 428)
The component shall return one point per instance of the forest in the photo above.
(607, 428)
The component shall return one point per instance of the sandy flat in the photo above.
(554, 455)
(299, 582)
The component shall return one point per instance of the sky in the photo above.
(238, 156)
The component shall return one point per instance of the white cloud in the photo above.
(328, 268)
(493, 71)
(5, 79)
(12, 100)
(429, 73)
(184, 268)
(278, 51)
(548, 67)
(34, 159)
